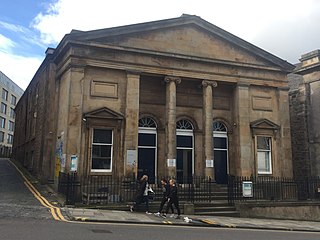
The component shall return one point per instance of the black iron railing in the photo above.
(273, 189)
(108, 189)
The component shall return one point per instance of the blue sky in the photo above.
(286, 28)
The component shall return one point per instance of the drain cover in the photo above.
(100, 231)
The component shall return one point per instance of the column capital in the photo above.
(168, 79)
(206, 83)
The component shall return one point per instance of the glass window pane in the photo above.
(184, 141)
(146, 139)
(102, 136)
(219, 142)
(101, 163)
(101, 151)
(263, 143)
(263, 162)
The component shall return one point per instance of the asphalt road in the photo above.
(23, 217)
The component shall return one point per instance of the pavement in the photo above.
(112, 216)
(10, 184)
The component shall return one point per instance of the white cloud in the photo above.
(6, 44)
(248, 19)
(18, 68)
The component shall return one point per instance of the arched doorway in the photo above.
(220, 152)
(185, 163)
(147, 148)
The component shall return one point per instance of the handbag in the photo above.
(151, 194)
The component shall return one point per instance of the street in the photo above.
(23, 217)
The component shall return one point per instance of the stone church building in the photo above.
(305, 115)
(177, 97)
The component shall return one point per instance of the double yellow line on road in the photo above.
(55, 211)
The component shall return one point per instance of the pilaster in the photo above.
(132, 121)
(208, 126)
(171, 99)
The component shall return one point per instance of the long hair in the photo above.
(144, 178)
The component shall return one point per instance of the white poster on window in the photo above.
(171, 162)
(74, 163)
(131, 157)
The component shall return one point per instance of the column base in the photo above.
(209, 173)
(171, 172)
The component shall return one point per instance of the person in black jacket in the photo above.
(165, 194)
(173, 198)
(142, 194)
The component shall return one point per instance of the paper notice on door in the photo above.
(209, 163)
(171, 162)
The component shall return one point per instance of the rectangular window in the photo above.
(13, 100)
(3, 108)
(264, 155)
(2, 122)
(4, 94)
(11, 126)
(12, 113)
(1, 136)
(10, 139)
(102, 146)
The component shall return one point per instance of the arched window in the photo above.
(184, 124)
(219, 127)
(147, 122)
(147, 148)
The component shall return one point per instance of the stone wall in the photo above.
(298, 119)
(281, 210)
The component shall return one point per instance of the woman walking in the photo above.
(173, 198)
(142, 194)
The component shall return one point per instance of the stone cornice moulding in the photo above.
(183, 73)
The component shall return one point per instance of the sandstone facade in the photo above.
(305, 115)
(177, 97)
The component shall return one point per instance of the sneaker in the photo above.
(163, 215)
(131, 208)
(147, 212)
(157, 214)
(177, 217)
(172, 215)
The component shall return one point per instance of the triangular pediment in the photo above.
(187, 35)
(104, 113)
(264, 124)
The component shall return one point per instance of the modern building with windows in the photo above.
(10, 95)
(177, 97)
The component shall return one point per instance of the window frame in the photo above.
(270, 156)
(3, 106)
(15, 100)
(11, 126)
(2, 136)
(5, 94)
(10, 136)
(2, 122)
(12, 113)
(102, 144)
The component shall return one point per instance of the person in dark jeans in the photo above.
(165, 194)
(142, 194)
(173, 198)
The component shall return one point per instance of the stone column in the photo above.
(132, 121)
(207, 126)
(285, 133)
(171, 124)
(245, 156)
